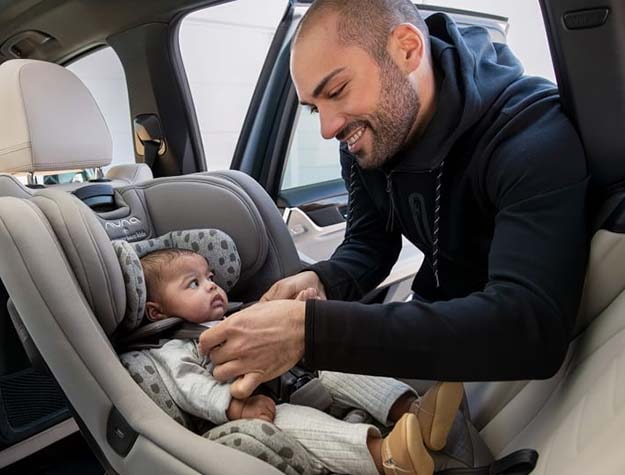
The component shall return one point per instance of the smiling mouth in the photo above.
(353, 139)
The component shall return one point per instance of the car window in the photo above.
(526, 31)
(223, 49)
(310, 158)
(103, 74)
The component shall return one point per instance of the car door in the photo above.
(301, 171)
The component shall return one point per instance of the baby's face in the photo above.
(189, 291)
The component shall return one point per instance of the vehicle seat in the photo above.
(64, 279)
(576, 419)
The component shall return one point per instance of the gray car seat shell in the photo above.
(49, 248)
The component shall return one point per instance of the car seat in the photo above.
(78, 301)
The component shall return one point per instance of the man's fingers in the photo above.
(212, 337)
(228, 370)
(278, 291)
(243, 387)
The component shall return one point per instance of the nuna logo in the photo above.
(122, 223)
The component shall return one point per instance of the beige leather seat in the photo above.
(49, 122)
(576, 420)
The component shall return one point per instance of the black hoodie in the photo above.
(493, 193)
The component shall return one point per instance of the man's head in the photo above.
(364, 66)
(180, 284)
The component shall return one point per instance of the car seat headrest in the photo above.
(45, 129)
(215, 246)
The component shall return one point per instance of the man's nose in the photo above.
(331, 123)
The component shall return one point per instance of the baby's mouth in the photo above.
(218, 301)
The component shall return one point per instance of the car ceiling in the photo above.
(78, 25)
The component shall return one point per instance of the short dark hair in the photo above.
(366, 23)
(154, 264)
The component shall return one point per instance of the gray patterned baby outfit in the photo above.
(335, 446)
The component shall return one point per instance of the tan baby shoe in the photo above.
(436, 412)
(403, 452)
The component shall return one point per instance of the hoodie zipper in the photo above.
(390, 221)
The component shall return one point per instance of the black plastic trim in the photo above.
(429, 7)
(185, 91)
(241, 159)
(309, 194)
(120, 436)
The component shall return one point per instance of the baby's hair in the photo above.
(155, 263)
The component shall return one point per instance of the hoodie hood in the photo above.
(471, 73)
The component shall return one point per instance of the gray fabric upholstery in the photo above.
(216, 246)
(230, 201)
(129, 173)
(89, 252)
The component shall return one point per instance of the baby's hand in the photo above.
(259, 407)
(307, 294)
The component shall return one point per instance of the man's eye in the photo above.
(313, 110)
(194, 284)
(335, 94)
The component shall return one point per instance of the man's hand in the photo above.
(258, 343)
(254, 407)
(290, 287)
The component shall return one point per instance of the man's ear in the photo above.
(153, 312)
(407, 47)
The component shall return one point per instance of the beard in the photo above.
(391, 123)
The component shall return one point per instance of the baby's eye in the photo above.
(194, 284)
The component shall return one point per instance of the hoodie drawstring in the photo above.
(437, 218)
(351, 194)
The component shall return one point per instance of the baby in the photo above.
(180, 283)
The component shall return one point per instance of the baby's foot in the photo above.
(307, 294)
(403, 452)
(436, 412)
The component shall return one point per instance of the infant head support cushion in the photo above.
(216, 246)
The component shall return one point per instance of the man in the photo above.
(444, 141)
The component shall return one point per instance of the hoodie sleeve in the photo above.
(367, 253)
(518, 326)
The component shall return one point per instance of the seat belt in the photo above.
(150, 152)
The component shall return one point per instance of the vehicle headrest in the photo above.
(49, 120)
(216, 246)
